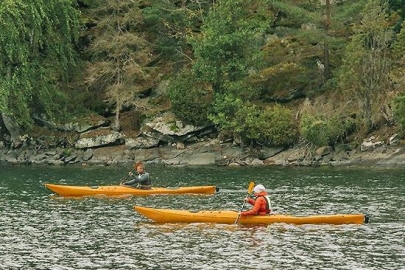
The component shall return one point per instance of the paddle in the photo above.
(250, 189)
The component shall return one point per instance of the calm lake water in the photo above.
(41, 231)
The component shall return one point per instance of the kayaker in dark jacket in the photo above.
(261, 203)
(142, 180)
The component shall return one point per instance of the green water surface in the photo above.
(41, 231)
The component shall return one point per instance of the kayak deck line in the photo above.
(114, 190)
(228, 217)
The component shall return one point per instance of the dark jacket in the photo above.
(140, 181)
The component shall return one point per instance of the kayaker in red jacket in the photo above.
(261, 202)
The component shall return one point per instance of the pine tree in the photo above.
(120, 53)
(364, 75)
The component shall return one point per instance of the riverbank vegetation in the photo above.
(267, 72)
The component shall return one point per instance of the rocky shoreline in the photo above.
(210, 152)
(169, 142)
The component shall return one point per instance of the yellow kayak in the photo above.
(229, 217)
(79, 191)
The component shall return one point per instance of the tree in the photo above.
(294, 52)
(120, 53)
(229, 44)
(398, 70)
(366, 65)
(305, 46)
(398, 6)
(398, 77)
(169, 23)
(34, 36)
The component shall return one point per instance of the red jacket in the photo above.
(260, 206)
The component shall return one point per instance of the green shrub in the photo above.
(272, 126)
(190, 100)
(322, 130)
(224, 110)
(399, 112)
(314, 130)
(279, 126)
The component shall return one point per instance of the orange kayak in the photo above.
(229, 217)
(79, 191)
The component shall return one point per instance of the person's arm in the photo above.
(132, 181)
(255, 210)
(250, 201)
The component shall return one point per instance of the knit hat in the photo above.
(259, 188)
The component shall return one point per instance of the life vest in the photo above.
(265, 195)
(268, 204)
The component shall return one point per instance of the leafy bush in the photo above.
(190, 100)
(324, 130)
(314, 130)
(279, 127)
(399, 111)
(224, 111)
(272, 126)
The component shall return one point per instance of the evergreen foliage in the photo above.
(397, 6)
(119, 52)
(398, 57)
(36, 55)
(230, 41)
(398, 77)
(321, 130)
(399, 112)
(246, 57)
(278, 125)
(293, 54)
(190, 100)
(169, 23)
(366, 64)
(272, 126)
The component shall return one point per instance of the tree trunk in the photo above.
(116, 126)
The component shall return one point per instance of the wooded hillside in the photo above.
(266, 72)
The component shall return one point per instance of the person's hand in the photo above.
(246, 199)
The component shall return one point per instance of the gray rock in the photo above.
(171, 128)
(100, 140)
(12, 128)
(141, 142)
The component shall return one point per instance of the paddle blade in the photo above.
(251, 186)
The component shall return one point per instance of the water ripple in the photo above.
(41, 231)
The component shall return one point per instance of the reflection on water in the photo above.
(42, 231)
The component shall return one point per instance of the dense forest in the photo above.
(267, 72)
